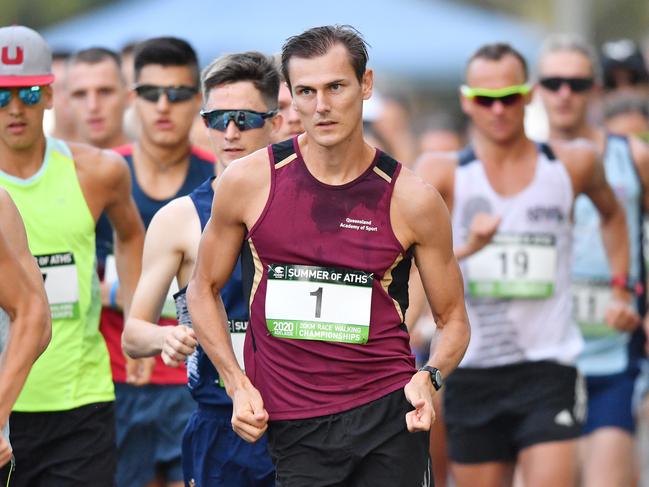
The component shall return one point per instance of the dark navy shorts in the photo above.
(610, 402)
(215, 456)
(149, 423)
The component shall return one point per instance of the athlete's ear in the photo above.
(367, 83)
(46, 95)
(276, 122)
(530, 96)
(465, 103)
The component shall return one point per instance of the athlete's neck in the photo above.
(580, 131)
(162, 159)
(339, 164)
(512, 151)
(23, 163)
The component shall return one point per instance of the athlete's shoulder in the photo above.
(639, 150)
(413, 195)
(577, 151)
(175, 218)
(104, 165)
(247, 171)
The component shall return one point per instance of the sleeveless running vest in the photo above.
(606, 351)
(201, 167)
(327, 282)
(518, 286)
(202, 378)
(74, 370)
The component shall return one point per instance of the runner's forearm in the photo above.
(210, 323)
(128, 260)
(142, 339)
(29, 336)
(615, 237)
(450, 345)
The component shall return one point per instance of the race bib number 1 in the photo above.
(514, 266)
(61, 284)
(318, 303)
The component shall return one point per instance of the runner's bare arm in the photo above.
(588, 177)
(438, 170)
(640, 152)
(22, 296)
(217, 255)
(162, 259)
(425, 224)
(127, 225)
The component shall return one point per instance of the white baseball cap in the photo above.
(25, 58)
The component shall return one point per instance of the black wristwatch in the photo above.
(435, 376)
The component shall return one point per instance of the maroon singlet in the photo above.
(308, 223)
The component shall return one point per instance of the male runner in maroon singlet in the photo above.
(328, 227)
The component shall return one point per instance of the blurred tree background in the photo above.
(598, 20)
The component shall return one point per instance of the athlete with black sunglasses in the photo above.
(240, 101)
(514, 398)
(568, 69)
(164, 165)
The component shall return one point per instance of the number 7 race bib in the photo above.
(514, 266)
(318, 303)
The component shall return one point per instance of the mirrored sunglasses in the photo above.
(243, 119)
(28, 95)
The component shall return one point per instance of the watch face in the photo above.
(438, 378)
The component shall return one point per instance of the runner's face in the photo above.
(566, 109)
(328, 96)
(234, 143)
(499, 123)
(163, 123)
(21, 125)
(291, 123)
(98, 97)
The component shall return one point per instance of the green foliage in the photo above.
(41, 13)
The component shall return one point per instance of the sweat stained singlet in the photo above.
(201, 167)
(202, 377)
(518, 287)
(606, 350)
(74, 370)
(327, 282)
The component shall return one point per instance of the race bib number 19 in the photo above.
(318, 303)
(514, 266)
(61, 284)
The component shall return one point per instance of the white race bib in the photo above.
(61, 284)
(318, 303)
(589, 302)
(514, 266)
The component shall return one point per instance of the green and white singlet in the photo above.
(74, 370)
